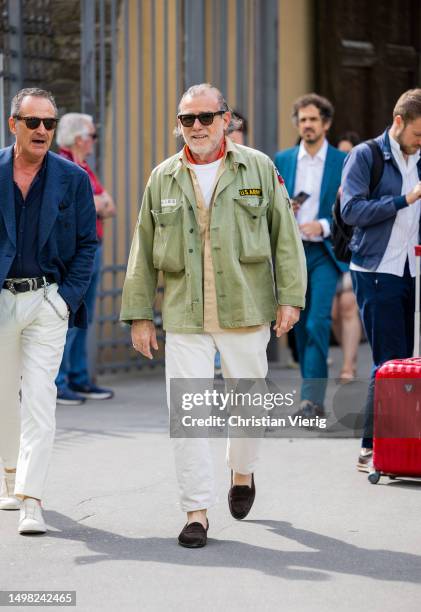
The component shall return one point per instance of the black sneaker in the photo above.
(92, 391)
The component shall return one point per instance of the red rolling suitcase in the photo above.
(397, 409)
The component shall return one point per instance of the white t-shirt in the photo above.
(206, 175)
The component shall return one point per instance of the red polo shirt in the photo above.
(97, 188)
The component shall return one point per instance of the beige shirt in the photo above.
(210, 314)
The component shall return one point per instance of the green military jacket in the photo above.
(254, 240)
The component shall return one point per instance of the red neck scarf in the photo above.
(191, 160)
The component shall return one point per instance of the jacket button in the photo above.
(254, 217)
(162, 225)
(190, 207)
(190, 250)
(191, 230)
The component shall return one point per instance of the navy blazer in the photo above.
(286, 163)
(66, 230)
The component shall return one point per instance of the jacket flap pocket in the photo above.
(167, 218)
(253, 206)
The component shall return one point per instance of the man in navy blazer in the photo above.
(312, 173)
(47, 247)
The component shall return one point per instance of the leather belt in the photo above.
(21, 285)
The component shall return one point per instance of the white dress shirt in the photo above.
(308, 178)
(405, 229)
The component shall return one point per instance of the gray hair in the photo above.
(203, 89)
(72, 125)
(30, 91)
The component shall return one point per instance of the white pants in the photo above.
(32, 337)
(192, 356)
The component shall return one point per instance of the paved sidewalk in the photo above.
(319, 537)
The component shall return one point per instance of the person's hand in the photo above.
(414, 194)
(312, 229)
(109, 209)
(104, 205)
(144, 337)
(100, 204)
(295, 206)
(286, 318)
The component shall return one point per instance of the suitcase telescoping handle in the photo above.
(417, 301)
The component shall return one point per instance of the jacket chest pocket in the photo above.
(168, 243)
(253, 230)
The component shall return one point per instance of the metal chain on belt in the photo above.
(58, 313)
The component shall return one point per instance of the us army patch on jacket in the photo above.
(251, 191)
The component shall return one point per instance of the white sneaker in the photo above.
(8, 501)
(365, 460)
(30, 520)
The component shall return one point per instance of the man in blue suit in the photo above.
(312, 173)
(47, 247)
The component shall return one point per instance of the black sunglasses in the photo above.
(34, 122)
(204, 118)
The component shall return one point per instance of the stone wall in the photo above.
(63, 78)
(51, 48)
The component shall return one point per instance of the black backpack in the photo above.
(341, 231)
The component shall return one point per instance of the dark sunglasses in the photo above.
(33, 123)
(204, 118)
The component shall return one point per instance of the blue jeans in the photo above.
(312, 332)
(74, 365)
(387, 305)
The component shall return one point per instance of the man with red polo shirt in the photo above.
(76, 135)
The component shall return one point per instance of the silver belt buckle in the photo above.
(10, 286)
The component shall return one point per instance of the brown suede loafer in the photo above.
(241, 498)
(194, 535)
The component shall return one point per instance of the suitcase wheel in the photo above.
(392, 477)
(374, 477)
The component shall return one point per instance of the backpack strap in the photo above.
(377, 165)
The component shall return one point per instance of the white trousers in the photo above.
(243, 355)
(32, 337)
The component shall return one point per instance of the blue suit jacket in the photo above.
(66, 231)
(286, 163)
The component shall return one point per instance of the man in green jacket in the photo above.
(217, 221)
